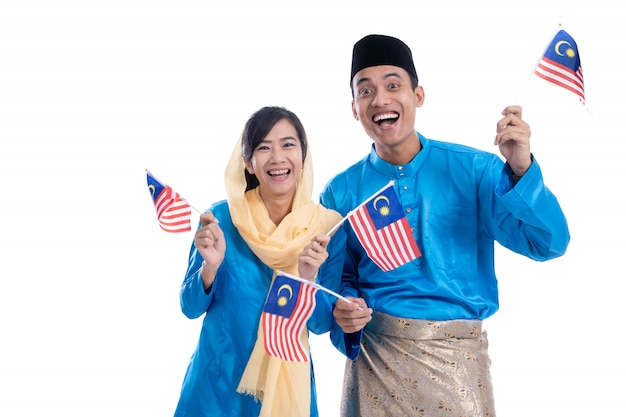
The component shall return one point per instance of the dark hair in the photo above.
(256, 129)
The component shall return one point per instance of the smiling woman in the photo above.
(268, 223)
(276, 165)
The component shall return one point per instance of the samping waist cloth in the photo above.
(416, 329)
(409, 367)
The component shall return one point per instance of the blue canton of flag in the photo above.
(281, 300)
(385, 208)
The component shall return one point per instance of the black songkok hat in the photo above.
(375, 50)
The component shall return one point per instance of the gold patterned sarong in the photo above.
(419, 368)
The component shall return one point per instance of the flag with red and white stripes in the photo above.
(383, 230)
(173, 211)
(560, 65)
(288, 306)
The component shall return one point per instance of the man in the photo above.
(414, 334)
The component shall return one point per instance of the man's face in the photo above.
(384, 102)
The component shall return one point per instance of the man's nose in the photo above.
(380, 99)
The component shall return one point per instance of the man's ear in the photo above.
(420, 96)
(354, 113)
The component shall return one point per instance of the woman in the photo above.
(268, 223)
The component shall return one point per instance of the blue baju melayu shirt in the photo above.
(458, 202)
(232, 310)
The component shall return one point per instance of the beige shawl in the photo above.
(283, 387)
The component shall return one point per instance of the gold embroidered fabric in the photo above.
(419, 368)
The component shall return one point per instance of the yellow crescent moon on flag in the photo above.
(377, 199)
(558, 44)
(152, 190)
(288, 288)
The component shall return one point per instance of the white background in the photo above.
(93, 92)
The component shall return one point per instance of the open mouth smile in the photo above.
(278, 172)
(385, 118)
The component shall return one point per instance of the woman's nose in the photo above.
(277, 155)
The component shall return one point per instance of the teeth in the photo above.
(385, 116)
(279, 172)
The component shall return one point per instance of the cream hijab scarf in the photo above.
(283, 387)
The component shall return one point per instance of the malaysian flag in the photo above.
(560, 65)
(289, 305)
(173, 211)
(383, 230)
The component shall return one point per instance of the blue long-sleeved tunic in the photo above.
(458, 201)
(232, 309)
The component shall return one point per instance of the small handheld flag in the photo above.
(173, 211)
(560, 65)
(383, 230)
(288, 306)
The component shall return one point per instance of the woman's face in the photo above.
(277, 161)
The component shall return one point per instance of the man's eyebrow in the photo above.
(362, 80)
(388, 75)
